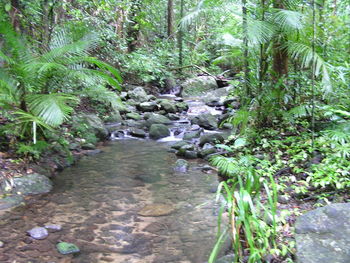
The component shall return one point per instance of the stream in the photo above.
(126, 204)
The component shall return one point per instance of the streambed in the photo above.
(100, 204)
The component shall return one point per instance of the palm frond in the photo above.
(308, 58)
(288, 20)
(260, 32)
(52, 109)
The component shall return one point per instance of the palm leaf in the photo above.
(52, 109)
(288, 20)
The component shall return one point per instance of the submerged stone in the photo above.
(32, 184)
(155, 210)
(181, 165)
(38, 233)
(10, 201)
(67, 248)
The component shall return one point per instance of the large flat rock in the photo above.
(323, 235)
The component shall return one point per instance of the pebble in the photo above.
(38, 233)
(53, 228)
(2, 244)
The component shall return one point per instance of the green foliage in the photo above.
(32, 150)
(30, 82)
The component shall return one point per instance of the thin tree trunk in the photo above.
(280, 55)
(180, 37)
(134, 28)
(14, 14)
(245, 51)
(170, 18)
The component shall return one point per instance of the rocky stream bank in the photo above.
(138, 200)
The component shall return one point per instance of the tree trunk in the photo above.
(170, 18)
(245, 51)
(280, 55)
(14, 14)
(134, 27)
(180, 37)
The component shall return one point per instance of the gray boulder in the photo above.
(138, 133)
(323, 235)
(198, 86)
(211, 138)
(114, 117)
(157, 119)
(189, 135)
(138, 94)
(181, 166)
(147, 106)
(134, 116)
(92, 123)
(182, 106)
(32, 184)
(178, 145)
(217, 97)
(158, 131)
(207, 121)
(11, 201)
(167, 106)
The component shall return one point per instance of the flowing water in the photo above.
(100, 204)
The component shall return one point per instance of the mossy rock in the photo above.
(67, 248)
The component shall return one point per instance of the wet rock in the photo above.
(147, 106)
(114, 117)
(173, 117)
(67, 248)
(38, 233)
(134, 116)
(158, 131)
(32, 184)
(181, 166)
(138, 133)
(167, 106)
(227, 126)
(11, 201)
(88, 146)
(207, 121)
(198, 86)
(138, 94)
(53, 228)
(155, 210)
(178, 145)
(211, 138)
(323, 235)
(232, 102)
(191, 155)
(182, 106)
(91, 123)
(157, 119)
(205, 152)
(192, 135)
(217, 97)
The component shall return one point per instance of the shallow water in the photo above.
(98, 204)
